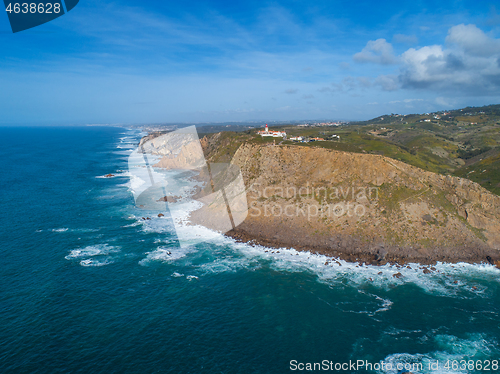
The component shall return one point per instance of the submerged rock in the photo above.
(170, 199)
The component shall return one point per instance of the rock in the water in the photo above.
(161, 215)
(397, 275)
(109, 176)
(170, 199)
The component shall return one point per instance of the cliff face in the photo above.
(362, 206)
(180, 149)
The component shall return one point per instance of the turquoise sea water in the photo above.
(87, 286)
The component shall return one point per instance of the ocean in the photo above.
(88, 286)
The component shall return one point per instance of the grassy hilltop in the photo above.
(463, 142)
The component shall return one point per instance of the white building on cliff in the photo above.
(274, 134)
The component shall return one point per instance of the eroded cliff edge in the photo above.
(363, 207)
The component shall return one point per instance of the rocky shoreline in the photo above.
(378, 255)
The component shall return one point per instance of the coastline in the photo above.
(415, 216)
(359, 208)
(378, 255)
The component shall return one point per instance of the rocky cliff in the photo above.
(363, 207)
(180, 149)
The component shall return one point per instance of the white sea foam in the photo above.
(159, 181)
(94, 255)
(93, 262)
(449, 348)
(135, 183)
(191, 277)
(384, 304)
(62, 229)
(126, 146)
(448, 279)
(165, 254)
(66, 229)
(155, 223)
(133, 224)
(85, 230)
(177, 275)
(400, 362)
(142, 177)
(223, 265)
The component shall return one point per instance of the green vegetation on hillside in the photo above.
(463, 142)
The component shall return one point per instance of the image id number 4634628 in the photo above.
(33, 8)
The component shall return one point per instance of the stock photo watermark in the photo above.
(291, 201)
(452, 366)
(25, 15)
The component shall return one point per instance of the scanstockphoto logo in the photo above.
(24, 15)
(171, 178)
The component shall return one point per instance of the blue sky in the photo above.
(208, 61)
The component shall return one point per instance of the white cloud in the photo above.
(473, 40)
(469, 63)
(424, 65)
(451, 69)
(377, 51)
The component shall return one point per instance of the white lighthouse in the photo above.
(274, 134)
